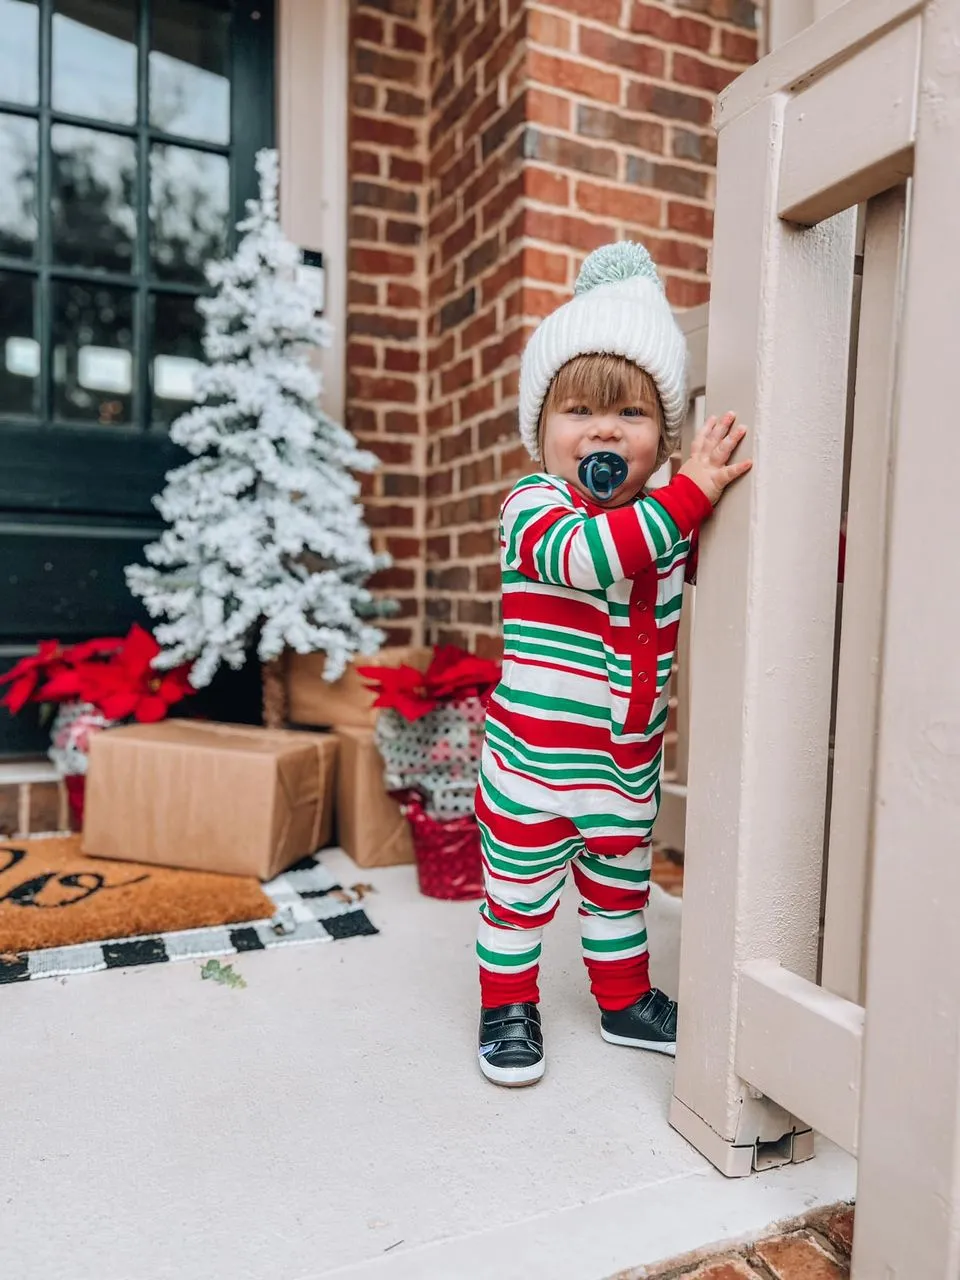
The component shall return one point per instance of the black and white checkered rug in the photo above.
(310, 907)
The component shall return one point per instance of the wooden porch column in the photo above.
(763, 644)
(908, 1203)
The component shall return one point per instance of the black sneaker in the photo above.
(651, 1023)
(511, 1044)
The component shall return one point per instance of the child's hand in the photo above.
(709, 465)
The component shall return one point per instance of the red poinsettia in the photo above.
(452, 674)
(115, 674)
(28, 673)
(129, 685)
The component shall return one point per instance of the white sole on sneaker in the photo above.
(512, 1077)
(655, 1046)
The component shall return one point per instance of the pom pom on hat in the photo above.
(620, 261)
(619, 308)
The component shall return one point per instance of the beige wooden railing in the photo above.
(671, 820)
(863, 1045)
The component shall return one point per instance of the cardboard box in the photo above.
(211, 797)
(370, 826)
(346, 702)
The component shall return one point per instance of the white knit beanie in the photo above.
(619, 308)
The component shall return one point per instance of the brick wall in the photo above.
(495, 143)
(386, 286)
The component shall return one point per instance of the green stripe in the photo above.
(552, 707)
(608, 945)
(522, 961)
(605, 869)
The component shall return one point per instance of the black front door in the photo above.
(128, 130)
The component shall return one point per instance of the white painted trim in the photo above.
(802, 1046)
(836, 37)
(876, 95)
(312, 75)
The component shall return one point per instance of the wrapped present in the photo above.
(209, 797)
(343, 703)
(371, 828)
(430, 736)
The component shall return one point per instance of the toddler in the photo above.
(593, 571)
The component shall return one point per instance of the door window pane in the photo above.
(93, 365)
(19, 349)
(177, 354)
(189, 207)
(95, 59)
(93, 205)
(19, 52)
(18, 185)
(189, 68)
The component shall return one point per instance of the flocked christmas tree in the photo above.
(266, 544)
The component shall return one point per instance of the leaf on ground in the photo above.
(362, 890)
(341, 895)
(225, 974)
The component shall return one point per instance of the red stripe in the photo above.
(562, 735)
(609, 897)
(506, 917)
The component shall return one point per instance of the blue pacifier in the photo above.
(602, 473)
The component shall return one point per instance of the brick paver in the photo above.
(817, 1248)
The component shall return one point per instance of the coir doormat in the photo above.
(304, 904)
(52, 895)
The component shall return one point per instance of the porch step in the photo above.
(32, 798)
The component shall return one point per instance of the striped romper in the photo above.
(570, 773)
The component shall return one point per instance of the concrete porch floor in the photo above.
(329, 1120)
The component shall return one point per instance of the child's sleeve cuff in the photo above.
(685, 502)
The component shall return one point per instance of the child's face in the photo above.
(573, 429)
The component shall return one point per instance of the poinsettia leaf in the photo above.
(150, 709)
(117, 705)
(19, 693)
(139, 650)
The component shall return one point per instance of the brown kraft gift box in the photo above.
(209, 797)
(346, 702)
(370, 826)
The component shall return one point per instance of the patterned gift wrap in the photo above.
(447, 853)
(437, 754)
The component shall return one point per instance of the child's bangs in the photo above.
(603, 382)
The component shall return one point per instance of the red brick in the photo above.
(439, 547)
(365, 96)
(540, 302)
(476, 401)
(723, 1269)
(738, 48)
(693, 218)
(366, 162)
(397, 360)
(364, 386)
(374, 195)
(546, 186)
(458, 376)
(597, 122)
(671, 104)
(502, 201)
(384, 66)
(397, 453)
(606, 11)
(364, 26)
(633, 55)
(373, 262)
(548, 28)
(551, 268)
(704, 75)
(360, 355)
(798, 1257)
(564, 73)
(683, 254)
(619, 202)
(507, 273)
(364, 227)
(701, 147)
(402, 233)
(837, 1225)
(570, 232)
(408, 38)
(478, 330)
(394, 579)
(385, 133)
(393, 515)
(405, 170)
(549, 109)
(686, 293)
(406, 548)
(568, 153)
(651, 20)
(741, 12)
(488, 577)
(401, 422)
(475, 612)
